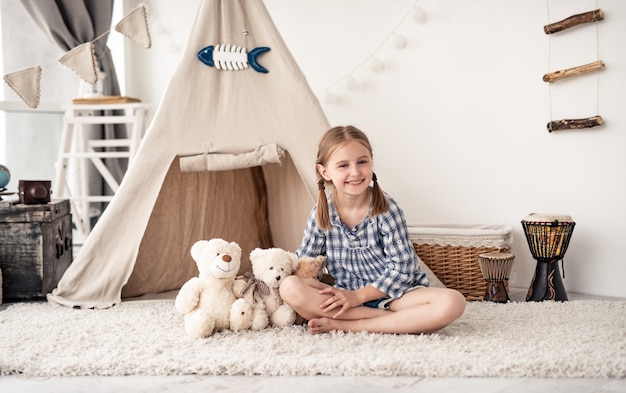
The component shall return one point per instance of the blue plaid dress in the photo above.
(377, 252)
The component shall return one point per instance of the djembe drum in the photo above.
(548, 237)
(496, 268)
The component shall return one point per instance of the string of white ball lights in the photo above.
(331, 95)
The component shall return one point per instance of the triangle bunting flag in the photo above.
(135, 26)
(26, 84)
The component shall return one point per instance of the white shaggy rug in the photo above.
(580, 338)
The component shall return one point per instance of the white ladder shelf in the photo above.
(78, 149)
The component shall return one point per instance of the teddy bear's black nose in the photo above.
(226, 258)
(277, 278)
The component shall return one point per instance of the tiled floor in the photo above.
(180, 384)
(195, 383)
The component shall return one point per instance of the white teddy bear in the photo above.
(207, 300)
(251, 292)
(269, 267)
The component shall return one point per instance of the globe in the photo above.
(5, 176)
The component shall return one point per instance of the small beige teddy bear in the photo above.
(270, 267)
(309, 267)
(312, 267)
(207, 300)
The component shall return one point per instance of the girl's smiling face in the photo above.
(350, 168)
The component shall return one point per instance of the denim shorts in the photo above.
(382, 302)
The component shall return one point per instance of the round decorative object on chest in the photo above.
(5, 177)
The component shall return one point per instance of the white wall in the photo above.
(458, 117)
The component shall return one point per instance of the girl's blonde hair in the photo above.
(330, 142)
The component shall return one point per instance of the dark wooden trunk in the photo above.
(35, 248)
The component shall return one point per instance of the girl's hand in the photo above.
(339, 298)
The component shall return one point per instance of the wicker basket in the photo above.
(451, 252)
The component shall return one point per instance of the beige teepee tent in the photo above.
(229, 153)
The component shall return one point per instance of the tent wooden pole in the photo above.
(574, 20)
(575, 123)
(574, 71)
(262, 211)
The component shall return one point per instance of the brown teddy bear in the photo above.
(309, 267)
(312, 267)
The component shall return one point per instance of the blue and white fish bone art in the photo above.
(232, 57)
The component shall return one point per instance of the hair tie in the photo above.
(374, 178)
(320, 185)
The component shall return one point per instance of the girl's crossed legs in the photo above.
(423, 310)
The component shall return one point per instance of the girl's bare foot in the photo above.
(322, 325)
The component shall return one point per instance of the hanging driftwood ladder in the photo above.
(574, 20)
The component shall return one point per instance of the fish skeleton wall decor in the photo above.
(232, 57)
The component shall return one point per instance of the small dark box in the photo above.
(35, 248)
(34, 192)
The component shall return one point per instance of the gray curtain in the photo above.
(69, 23)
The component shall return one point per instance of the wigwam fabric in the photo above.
(141, 243)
